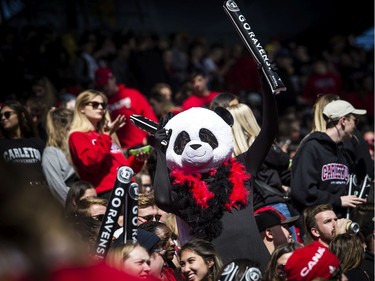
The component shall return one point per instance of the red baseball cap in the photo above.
(102, 76)
(311, 261)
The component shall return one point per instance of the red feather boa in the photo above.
(200, 189)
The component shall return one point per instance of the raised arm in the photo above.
(165, 198)
(257, 152)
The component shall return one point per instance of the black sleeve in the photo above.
(165, 198)
(257, 152)
(162, 185)
(277, 159)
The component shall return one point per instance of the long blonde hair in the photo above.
(245, 127)
(319, 124)
(58, 124)
(80, 122)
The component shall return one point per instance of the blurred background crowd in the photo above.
(39, 56)
(63, 65)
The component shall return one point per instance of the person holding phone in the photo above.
(93, 144)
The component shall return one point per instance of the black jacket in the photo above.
(320, 173)
(274, 172)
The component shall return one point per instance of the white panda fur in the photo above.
(201, 158)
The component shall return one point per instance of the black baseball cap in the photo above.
(146, 239)
(268, 216)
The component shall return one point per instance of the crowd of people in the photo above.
(292, 197)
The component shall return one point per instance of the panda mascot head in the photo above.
(205, 177)
(201, 139)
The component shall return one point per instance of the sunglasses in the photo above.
(355, 119)
(95, 104)
(151, 217)
(6, 114)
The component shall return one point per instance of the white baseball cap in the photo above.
(340, 108)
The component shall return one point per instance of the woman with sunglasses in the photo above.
(275, 269)
(94, 147)
(20, 144)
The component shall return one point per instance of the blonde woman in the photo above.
(272, 179)
(131, 258)
(349, 148)
(58, 171)
(319, 123)
(245, 127)
(94, 147)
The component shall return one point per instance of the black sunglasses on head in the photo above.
(95, 104)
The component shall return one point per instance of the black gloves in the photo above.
(162, 135)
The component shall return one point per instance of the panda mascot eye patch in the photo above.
(200, 140)
(207, 136)
(180, 143)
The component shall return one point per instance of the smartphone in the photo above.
(135, 151)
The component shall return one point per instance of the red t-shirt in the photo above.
(128, 101)
(328, 83)
(96, 159)
(198, 101)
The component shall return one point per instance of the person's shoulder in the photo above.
(51, 150)
(129, 91)
(82, 135)
(34, 141)
(316, 138)
(191, 101)
(76, 133)
(214, 93)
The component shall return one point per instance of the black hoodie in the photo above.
(320, 173)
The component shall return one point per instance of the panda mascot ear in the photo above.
(225, 114)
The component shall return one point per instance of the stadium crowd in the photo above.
(65, 130)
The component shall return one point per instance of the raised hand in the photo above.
(111, 127)
(351, 201)
(162, 135)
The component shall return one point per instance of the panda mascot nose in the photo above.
(195, 146)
